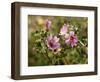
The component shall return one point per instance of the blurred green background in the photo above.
(75, 55)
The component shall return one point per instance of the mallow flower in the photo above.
(53, 42)
(63, 30)
(71, 39)
(47, 24)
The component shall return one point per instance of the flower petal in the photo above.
(47, 24)
(63, 30)
(56, 39)
(72, 33)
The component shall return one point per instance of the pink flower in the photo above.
(53, 42)
(47, 24)
(63, 30)
(72, 39)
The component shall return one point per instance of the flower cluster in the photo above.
(53, 43)
(57, 40)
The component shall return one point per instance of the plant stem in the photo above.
(47, 52)
(48, 56)
(81, 43)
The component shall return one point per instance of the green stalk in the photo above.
(81, 43)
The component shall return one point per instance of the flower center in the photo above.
(71, 38)
(51, 43)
